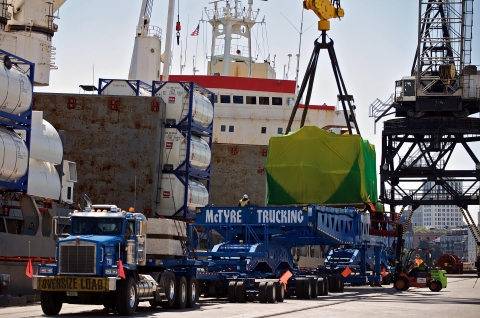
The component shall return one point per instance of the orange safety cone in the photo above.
(284, 278)
(121, 273)
(29, 269)
(347, 271)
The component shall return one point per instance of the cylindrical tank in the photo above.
(451, 263)
(13, 155)
(172, 195)
(176, 150)
(15, 90)
(123, 88)
(45, 142)
(43, 180)
(177, 109)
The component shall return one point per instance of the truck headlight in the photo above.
(111, 271)
(46, 270)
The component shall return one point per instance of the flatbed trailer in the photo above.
(257, 247)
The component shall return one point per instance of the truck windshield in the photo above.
(100, 226)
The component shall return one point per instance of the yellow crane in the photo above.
(325, 10)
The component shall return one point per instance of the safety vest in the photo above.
(243, 202)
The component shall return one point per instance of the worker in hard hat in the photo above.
(243, 201)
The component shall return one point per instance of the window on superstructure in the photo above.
(216, 98)
(290, 101)
(264, 100)
(251, 100)
(223, 128)
(225, 99)
(231, 129)
(277, 101)
(280, 130)
(237, 99)
(264, 130)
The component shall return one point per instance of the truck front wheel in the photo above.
(51, 303)
(126, 297)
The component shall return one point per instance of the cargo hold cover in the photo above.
(312, 166)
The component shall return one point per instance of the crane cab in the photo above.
(405, 89)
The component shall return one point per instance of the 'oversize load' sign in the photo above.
(259, 215)
(69, 283)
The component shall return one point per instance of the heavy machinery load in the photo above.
(313, 166)
(451, 263)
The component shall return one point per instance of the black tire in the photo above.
(156, 276)
(167, 281)
(299, 289)
(332, 283)
(262, 292)
(307, 289)
(126, 300)
(320, 287)
(181, 292)
(401, 284)
(342, 283)
(280, 292)
(314, 290)
(231, 292)
(51, 303)
(240, 293)
(326, 286)
(435, 285)
(271, 292)
(192, 292)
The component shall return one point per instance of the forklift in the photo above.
(408, 275)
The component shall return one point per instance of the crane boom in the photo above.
(144, 18)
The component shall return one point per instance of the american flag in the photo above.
(195, 32)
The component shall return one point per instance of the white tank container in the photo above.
(15, 91)
(172, 195)
(176, 150)
(43, 180)
(13, 156)
(121, 88)
(45, 142)
(177, 100)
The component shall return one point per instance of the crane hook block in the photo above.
(178, 27)
(325, 10)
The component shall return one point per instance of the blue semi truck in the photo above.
(103, 260)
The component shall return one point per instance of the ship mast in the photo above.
(228, 22)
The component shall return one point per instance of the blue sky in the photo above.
(375, 44)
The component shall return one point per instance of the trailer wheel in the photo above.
(126, 297)
(401, 283)
(306, 289)
(331, 283)
(262, 292)
(181, 294)
(313, 288)
(231, 292)
(299, 289)
(280, 292)
(320, 287)
(156, 276)
(192, 292)
(168, 282)
(271, 292)
(341, 281)
(241, 292)
(51, 302)
(326, 286)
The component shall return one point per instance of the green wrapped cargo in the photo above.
(313, 166)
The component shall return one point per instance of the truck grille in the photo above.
(77, 258)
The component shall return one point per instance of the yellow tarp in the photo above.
(312, 166)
